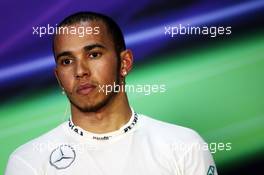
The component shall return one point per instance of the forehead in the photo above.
(76, 36)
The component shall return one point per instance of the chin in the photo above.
(88, 106)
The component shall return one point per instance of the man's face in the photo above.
(84, 64)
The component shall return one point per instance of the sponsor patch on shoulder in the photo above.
(211, 170)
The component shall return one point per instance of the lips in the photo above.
(85, 89)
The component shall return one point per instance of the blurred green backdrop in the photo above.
(217, 91)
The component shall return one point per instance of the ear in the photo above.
(57, 77)
(126, 62)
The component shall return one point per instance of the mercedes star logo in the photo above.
(62, 157)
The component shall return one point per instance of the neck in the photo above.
(109, 118)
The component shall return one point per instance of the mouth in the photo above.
(85, 89)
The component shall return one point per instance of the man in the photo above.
(104, 135)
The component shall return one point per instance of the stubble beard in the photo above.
(94, 107)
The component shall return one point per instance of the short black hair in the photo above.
(112, 27)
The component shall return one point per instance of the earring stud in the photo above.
(63, 92)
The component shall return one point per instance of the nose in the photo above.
(82, 69)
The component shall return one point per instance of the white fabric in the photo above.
(148, 147)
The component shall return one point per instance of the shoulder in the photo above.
(40, 145)
(30, 157)
(169, 132)
(184, 147)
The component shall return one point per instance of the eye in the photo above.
(66, 61)
(94, 55)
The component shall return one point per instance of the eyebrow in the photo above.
(92, 46)
(66, 53)
(86, 48)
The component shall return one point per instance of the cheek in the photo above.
(106, 71)
(66, 79)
